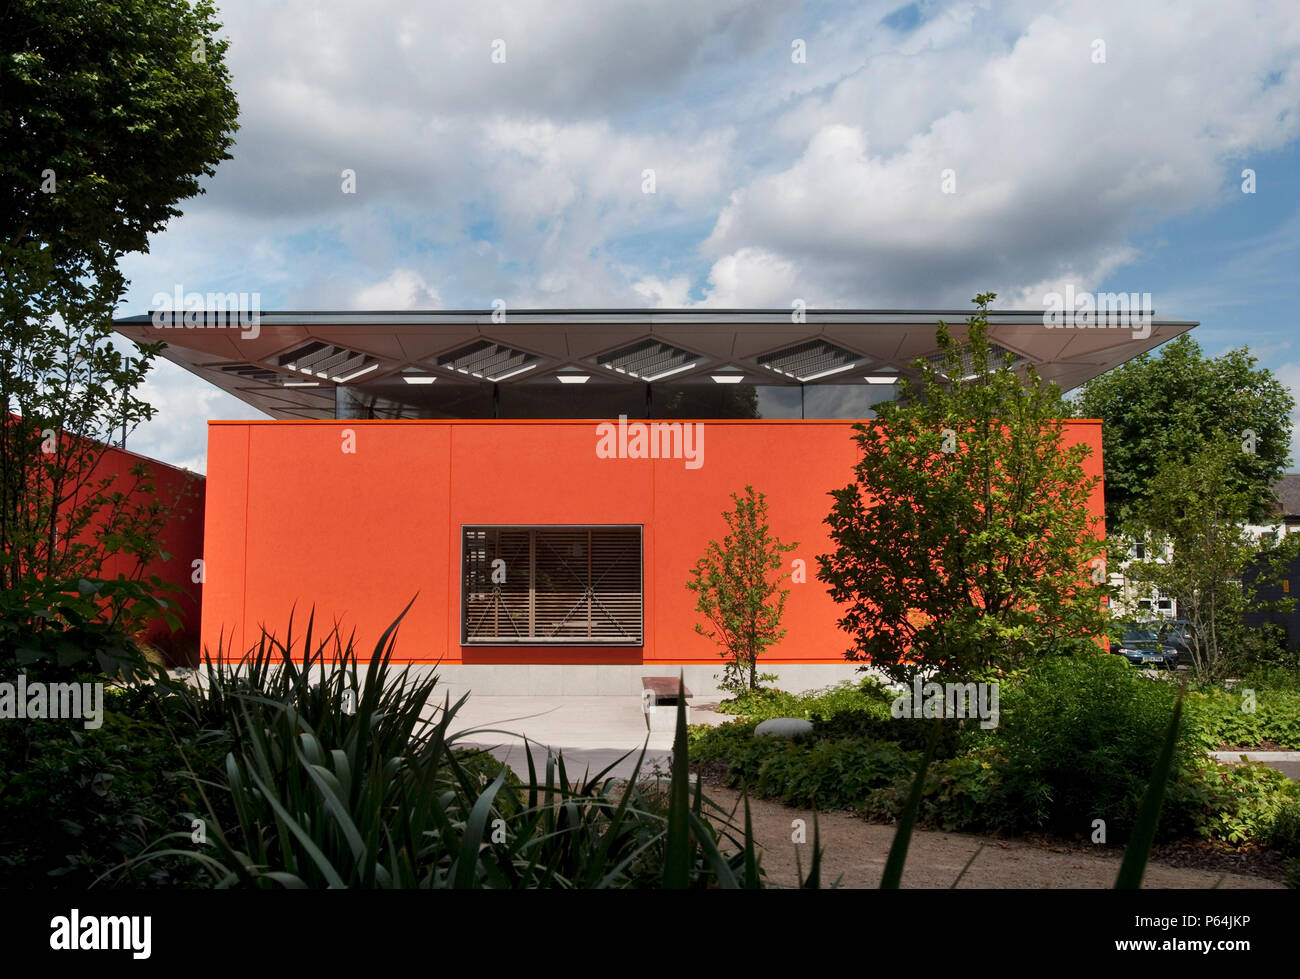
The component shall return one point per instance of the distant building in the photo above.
(1134, 601)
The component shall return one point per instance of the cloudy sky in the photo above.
(798, 151)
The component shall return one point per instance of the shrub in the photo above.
(811, 773)
(81, 807)
(1077, 741)
(867, 695)
(960, 794)
(1273, 677)
(56, 631)
(1080, 736)
(1284, 831)
(345, 782)
(1242, 804)
(1222, 721)
(830, 774)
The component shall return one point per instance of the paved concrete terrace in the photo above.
(591, 732)
(1286, 762)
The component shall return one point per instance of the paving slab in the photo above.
(1286, 762)
(591, 732)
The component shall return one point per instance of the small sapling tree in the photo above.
(738, 588)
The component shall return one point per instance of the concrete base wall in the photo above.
(599, 680)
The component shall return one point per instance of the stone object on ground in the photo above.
(784, 727)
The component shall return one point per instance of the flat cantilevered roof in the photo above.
(297, 364)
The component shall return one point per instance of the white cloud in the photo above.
(753, 277)
(672, 293)
(774, 181)
(404, 289)
(1056, 158)
(178, 432)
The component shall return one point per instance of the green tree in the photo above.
(738, 589)
(1168, 406)
(965, 541)
(112, 114)
(1196, 512)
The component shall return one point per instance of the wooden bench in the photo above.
(664, 689)
(659, 702)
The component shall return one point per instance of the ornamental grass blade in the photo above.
(677, 846)
(978, 851)
(813, 882)
(893, 876)
(722, 872)
(467, 862)
(752, 881)
(286, 822)
(1138, 850)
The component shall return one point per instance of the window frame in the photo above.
(543, 642)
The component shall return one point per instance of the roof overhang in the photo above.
(288, 364)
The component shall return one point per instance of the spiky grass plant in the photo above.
(348, 782)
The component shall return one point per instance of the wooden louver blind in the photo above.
(574, 585)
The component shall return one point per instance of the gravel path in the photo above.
(854, 850)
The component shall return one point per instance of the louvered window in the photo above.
(557, 585)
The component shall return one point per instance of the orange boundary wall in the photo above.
(181, 540)
(292, 519)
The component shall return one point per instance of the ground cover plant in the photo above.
(1077, 742)
(307, 765)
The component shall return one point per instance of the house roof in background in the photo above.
(1287, 489)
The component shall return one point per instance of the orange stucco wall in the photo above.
(292, 519)
(181, 541)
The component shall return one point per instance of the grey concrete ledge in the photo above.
(1256, 755)
(550, 680)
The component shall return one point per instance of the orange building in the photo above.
(542, 486)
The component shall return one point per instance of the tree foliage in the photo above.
(965, 541)
(1196, 511)
(738, 588)
(1169, 406)
(112, 113)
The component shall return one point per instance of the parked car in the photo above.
(1141, 645)
(1177, 633)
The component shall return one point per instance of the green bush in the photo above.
(1284, 829)
(721, 743)
(966, 793)
(1222, 721)
(1242, 804)
(80, 807)
(856, 711)
(78, 630)
(815, 772)
(1272, 677)
(867, 695)
(1077, 741)
(1079, 736)
(829, 774)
